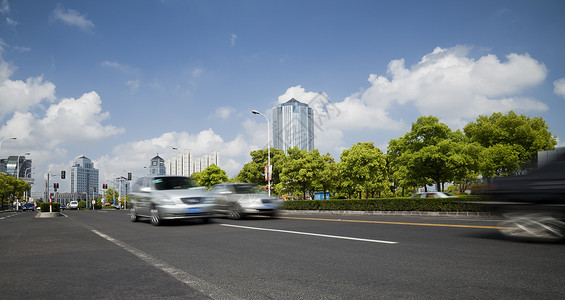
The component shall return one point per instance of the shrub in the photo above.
(388, 204)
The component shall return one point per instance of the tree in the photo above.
(297, 174)
(211, 175)
(254, 171)
(327, 174)
(429, 152)
(363, 168)
(11, 187)
(519, 137)
(111, 196)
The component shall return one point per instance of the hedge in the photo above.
(389, 204)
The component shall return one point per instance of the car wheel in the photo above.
(132, 215)
(533, 226)
(155, 218)
(234, 212)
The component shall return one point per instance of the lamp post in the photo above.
(11, 138)
(255, 112)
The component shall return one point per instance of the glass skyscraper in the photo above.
(293, 126)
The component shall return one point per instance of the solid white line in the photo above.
(313, 234)
(192, 281)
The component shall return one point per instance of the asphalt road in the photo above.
(102, 255)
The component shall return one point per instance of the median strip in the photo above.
(312, 234)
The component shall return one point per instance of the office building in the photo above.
(84, 178)
(293, 126)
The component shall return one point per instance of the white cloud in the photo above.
(71, 17)
(559, 87)
(133, 85)
(116, 65)
(224, 112)
(17, 95)
(134, 156)
(4, 7)
(11, 22)
(232, 39)
(448, 84)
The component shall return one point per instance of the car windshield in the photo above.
(173, 183)
(246, 189)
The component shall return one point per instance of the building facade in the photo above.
(293, 126)
(184, 164)
(16, 166)
(157, 166)
(84, 178)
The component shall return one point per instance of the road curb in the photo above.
(48, 215)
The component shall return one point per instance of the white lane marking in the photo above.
(313, 234)
(192, 281)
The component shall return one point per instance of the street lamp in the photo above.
(12, 138)
(268, 150)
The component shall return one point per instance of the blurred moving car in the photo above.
(237, 200)
(433, 195)
(73, 205)
(168, 197)
(533, 204)
(28, 206)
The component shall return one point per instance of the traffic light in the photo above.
(62, 174)
(129, 175)
(55, 185)
(104, 186)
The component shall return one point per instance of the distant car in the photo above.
(28, 206)
(433, 195)
(168, 197)
(237, 200)
(73, 205)
(62, 206)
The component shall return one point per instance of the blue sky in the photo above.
(122, 81)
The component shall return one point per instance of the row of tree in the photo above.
(430, 153)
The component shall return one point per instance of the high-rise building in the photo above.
(293, 126)
(84, 178)
(184, 164)
(157, 166)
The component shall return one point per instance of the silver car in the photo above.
(237, 200)
(166, 197)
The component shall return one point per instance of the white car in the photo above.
(238, 199)
(167, 197)
(73, 205)
(433, 195)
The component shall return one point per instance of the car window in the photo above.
(173, 183)
(245, 189)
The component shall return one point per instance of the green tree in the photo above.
(429, 152)
(11, 187)
(363, 169)
(111, 196)
(212, 175)
(327, 174)
(519, 137)
(297, 174)
(254, 171)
